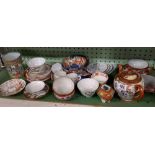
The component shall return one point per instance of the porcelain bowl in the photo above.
(36, 62)
(149, 83)
(56, 67)
(74, 77)
(88, 86)
(138, 63)
(11, 56)
(35, 86)
(102, 78)
(59, 74)
(74, 62)
(93, 67)
(63, 86)
(36, 89)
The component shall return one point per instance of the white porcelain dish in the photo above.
(63, 86)
(11, 56)
(101, 67)
(59, 74)
(12, 87)
(34, 86)
(74, 77)
(56, 67)
(36, 89)
(88, 86)
(36, 62)
(138, 63)
(93, 67)
(149, 83)
(102, 78)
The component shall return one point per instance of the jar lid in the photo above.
(129, 77)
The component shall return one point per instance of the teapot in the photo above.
(129, 85)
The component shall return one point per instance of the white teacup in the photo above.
(63, 86)
(74, 77)
(35, 86)
(13, 63)
(56, 67)
(88, 86)
(36, 64)
(102, 78)
(59, 74)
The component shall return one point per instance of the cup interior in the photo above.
(36, 62)
(72, 75)
(35, 86)
(100, 77)
(88, 84)
(11, 56)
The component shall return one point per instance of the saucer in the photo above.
(101, 67)
(44, 75)
(64, 97)
(12, 87)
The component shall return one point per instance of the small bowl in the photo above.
(93, 67)
(74, 77)
(63, 86)
(138, 63)
(82, 72)
(36, 62)
(102, 78)
(35, 86)
(88, 86)
(149, 83)
(74, 62)
(36, 89)
(59, 74)
(11, 56)
(56, 67)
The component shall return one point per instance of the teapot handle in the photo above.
(139, 92)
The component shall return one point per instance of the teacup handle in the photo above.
(79, 77)
(139, 92)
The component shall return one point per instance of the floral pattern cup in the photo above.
(13, 63)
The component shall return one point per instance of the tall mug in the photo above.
(13, 64)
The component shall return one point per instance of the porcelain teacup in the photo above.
(59, 74)
(13, 63)
(37, 64)
(63, 88)
(56, 67)
(88, 86)
(74, 77)
(102, 78)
